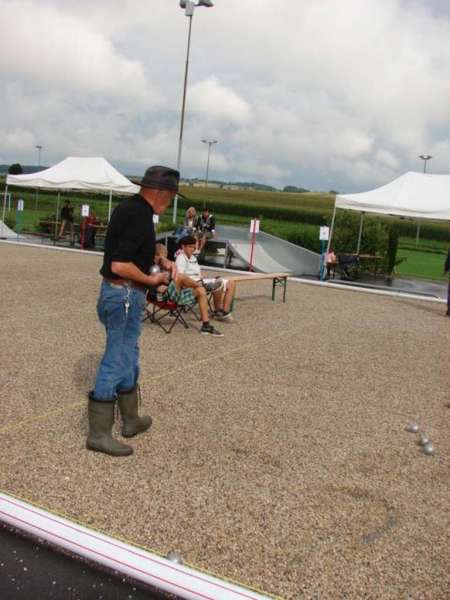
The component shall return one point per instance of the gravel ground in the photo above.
(278, 456)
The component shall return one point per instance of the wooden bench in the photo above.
(39, 234)
(278, 279)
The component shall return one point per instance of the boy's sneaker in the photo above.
(222, 315)
(208, 329)
(214, 285)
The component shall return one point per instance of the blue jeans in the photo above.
(119, 368)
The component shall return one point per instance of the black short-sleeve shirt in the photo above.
(130, 236)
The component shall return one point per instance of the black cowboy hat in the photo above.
(161, 178)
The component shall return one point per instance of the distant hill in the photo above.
(195, 181)
(294, 189)
(26, 168)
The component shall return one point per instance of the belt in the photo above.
(127, 283)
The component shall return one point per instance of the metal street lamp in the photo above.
(39, 148)
(189, 7)
(425, 157)
(210, 143)
(36, 199)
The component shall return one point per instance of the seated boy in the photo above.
(222, 289)
(189, 287)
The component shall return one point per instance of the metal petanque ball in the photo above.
(412, 427)
(175, 557)
(424, 439)
(428, 449)
(155, 269)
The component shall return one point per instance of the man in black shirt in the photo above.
(67, 219)
(129, 254)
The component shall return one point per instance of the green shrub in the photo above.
(391, 260)
(10, 222)
(374, 239)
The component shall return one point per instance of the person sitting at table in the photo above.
(330, 262)
(190, 220)
(67, 219)
(206, 229)
(90, 229)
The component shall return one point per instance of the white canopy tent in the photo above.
(89, 174)
(413, 195)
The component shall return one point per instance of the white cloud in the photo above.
(213, 101)
(317, 94)
(50, 49)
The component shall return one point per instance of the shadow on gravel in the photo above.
(84, 371)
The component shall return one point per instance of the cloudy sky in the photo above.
(329, 94)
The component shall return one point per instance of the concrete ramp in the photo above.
(271, 254)
(6, 232)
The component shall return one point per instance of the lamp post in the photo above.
(210, 143)
(39, 148)
(36, 200)
(189, 7)
(424, 157)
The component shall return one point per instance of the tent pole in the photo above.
(4, 209)
(109, 205)
(360, 232)
(56, 217)
(417, 234)
(331, 228)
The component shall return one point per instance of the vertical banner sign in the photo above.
(324, 234)
(84, 215)
(155, 219)
(254, 229)
(19, 211)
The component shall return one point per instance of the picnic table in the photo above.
(52, 228)
(351, 264)
(278, 280)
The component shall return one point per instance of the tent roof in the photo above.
(93, 174)
(415, 195)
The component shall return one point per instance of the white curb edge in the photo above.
(149, 568)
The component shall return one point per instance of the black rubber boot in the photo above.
(101, 420)
(128, 406)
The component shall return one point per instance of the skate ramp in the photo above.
(6, 232)
(271, 254)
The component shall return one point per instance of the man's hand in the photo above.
(158, 279)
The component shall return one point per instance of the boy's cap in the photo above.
(187, 241)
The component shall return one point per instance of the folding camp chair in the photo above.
(349, 266)
(157, 310)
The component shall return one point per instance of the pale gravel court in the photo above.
(278, 456)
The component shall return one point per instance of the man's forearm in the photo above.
(128, 270)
